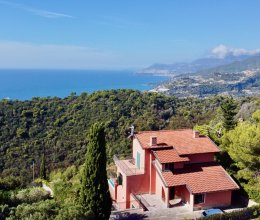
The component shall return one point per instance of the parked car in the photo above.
(210, 212)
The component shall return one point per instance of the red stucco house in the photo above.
(172, 165)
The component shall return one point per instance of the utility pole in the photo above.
(33, 169)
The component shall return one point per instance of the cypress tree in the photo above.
(228, 108)
(94, 195)
(43, 168)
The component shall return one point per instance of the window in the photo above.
(111, 182)
(120, 179)
(169, 166)
(172, 193)
(199, 198)
(138, 160)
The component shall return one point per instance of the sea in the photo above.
(26, 84)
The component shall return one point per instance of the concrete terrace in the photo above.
(151, 201)
(128, 167)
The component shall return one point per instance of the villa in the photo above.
(176, 167)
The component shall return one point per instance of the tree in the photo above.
(242, 144)
(228, 108)
(94, 194)
(39, 210)
(43, 168)
(256, 116)
(4, 211)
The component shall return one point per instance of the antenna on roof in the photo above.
(132, 131)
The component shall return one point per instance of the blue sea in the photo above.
(25, 84)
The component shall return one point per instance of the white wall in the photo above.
(121, 190)
(137, 148)
(159, 187)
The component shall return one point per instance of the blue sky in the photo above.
(115, 34)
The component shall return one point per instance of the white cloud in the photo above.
(28, 55)
(221, 51)
(48, 14)
(39, 12)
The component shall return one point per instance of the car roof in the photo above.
(213, 211)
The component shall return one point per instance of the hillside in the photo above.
(251, 63)
(240, 78)
(199, 65)
(58, 126)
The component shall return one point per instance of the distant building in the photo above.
(176, 166)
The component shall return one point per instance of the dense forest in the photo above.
(55, 130)
(57, 127)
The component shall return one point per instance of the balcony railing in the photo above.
(128, 167)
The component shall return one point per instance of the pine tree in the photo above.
(94, 195)
(228, 108)
(43, 168)
(242, 144)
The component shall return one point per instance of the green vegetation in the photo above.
(40, 211)
(94, 194)
(52, 132)
(34, 203)
(243, 146)
(228, 108)
(12, 200)
(57, 127)
(239, 143)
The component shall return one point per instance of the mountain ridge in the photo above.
(240, 78)
(236, 66)
(194, 66)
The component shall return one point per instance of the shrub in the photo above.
(73, 212)
(10, 183)
(5, 197)
(4, 211)
(31, 195)
(41, 211)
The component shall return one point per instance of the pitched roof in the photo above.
(169, 156)
(201, 179)
(182, 140)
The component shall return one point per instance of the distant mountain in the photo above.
(250, 63)
(239, 78)
(193, 67)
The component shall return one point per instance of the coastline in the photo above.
(26, 84)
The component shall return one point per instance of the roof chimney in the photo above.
(153, 141)
(196, 134)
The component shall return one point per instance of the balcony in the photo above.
(128, 167)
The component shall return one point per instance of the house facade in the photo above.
(175, 166)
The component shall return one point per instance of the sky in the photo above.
(133, 34)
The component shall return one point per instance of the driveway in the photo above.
(177, 213)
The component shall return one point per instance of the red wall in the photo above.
(139, 183)
(178, 165)
(182, 192)
(201, 158)
(216, 199)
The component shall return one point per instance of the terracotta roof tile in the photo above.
(169, 156)
(182, 140)
(201, 179)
